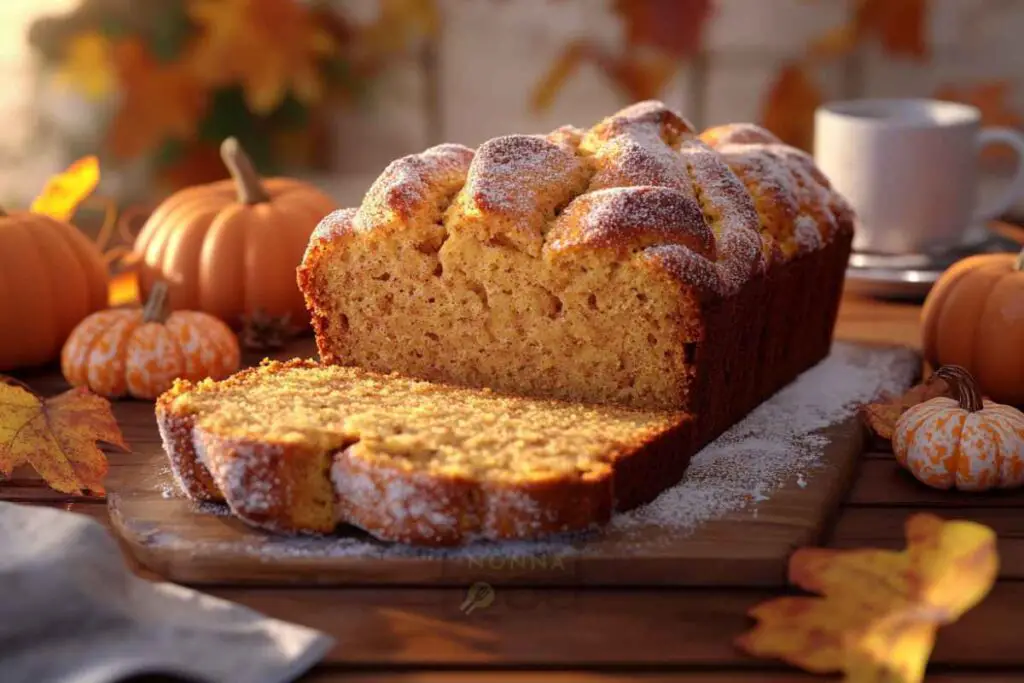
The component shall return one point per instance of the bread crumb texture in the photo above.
(300, 447)
(415, 425)
(584, 265)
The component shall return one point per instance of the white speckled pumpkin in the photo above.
(139, 352)
(964, 443)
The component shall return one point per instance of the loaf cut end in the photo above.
(606, 265)
(301, 447)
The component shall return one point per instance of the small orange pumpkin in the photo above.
(230, 248)
(964, 443)
(974, 317)
(140, 352)
(51, 277)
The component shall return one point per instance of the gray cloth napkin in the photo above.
(72, 612)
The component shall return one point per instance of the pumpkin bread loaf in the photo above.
(300, 447)
(643, 285)
(634, 263)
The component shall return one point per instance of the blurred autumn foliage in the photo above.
(661, 35)
(184, 74)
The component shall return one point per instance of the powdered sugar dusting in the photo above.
(639, 157)
(778, 445)
(331, 227)
(519, 175)
(779, 440)
(410, 187)
(633, 217)
(730, 211)
(739, 133)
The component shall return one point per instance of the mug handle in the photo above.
(1014, 139)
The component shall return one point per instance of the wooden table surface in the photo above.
(562, 636)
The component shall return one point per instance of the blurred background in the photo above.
(332, 91)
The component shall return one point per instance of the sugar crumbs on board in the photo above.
(778, 442)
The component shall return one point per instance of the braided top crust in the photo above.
(713, 209)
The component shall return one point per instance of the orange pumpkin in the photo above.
(139, 352)
(974, 317)
(51, 277)
(964, 443)
(230, 248)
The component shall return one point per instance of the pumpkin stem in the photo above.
(156, 309)
(1019, 265)
(963, 385)
(247, 180)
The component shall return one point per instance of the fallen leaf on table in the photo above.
(880, 609)
(57, 436)
(881, 416)
(66, 190)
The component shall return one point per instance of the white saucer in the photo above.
(911, 276)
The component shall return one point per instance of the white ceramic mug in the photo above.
(909, 168)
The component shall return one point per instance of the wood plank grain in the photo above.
(391, 627)
(882, 482)
(881, 527)
(744, 547)
(870, 320)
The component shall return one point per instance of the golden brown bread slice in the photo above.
(634, 263)
(300, 447)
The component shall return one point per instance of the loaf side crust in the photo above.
(257, 479)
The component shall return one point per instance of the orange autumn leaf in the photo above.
(992, 98)
(57, 436)
(638, 76)
(879, 611)
(901, 27)
(789, 106)
(675, 27)
(160, 101)
(269, 47)
(65, 191)
(658, 35)
(881, 416)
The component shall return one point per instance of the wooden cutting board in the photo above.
(748, 546)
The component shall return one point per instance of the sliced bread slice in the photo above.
(300, 447)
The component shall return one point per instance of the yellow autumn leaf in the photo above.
(880, 609)
(269, 47)
(65, 191)
(88, 65)
(57, 436)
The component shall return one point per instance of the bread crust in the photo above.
(747, 232)
(262, 484)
